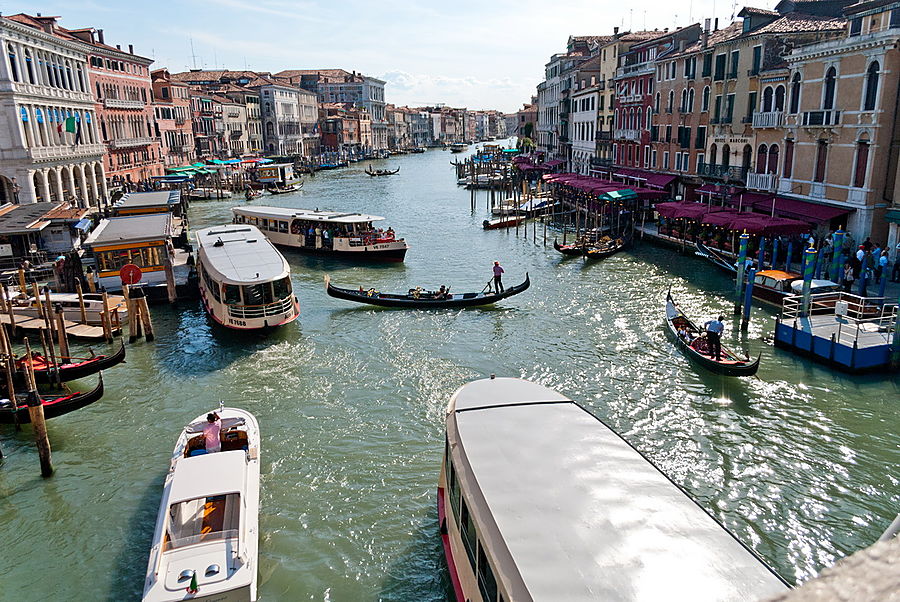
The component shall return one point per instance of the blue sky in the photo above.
(487, 54)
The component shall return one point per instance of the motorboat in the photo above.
(206, 542)
(27, 305)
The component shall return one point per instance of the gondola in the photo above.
(730, 363)
(54, 405)
(715, 257)
(381, 172)
(575, 249)
(508, 221)
(607, 248)
(421, 299)
(72, 368)
(291, 188)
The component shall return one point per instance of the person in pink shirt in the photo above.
(211, 431)
(498, 277)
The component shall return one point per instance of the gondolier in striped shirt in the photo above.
(498, 277)
(714, 329)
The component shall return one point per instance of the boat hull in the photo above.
(369, 253)
(72, 371)
(53, 405)
(409, 302)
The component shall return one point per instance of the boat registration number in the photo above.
(237, 322)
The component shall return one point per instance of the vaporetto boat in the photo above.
(206, 542)
(540, 500)
(245, 282)
(348, 235)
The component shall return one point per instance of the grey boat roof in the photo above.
(335, 217)
(245, 256)
(570, 511)
(158, 198)
(136, 228)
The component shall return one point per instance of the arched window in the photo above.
(788, 166)
(704, 102)
(13, 67)
(656, 103)
(762, 157)
(683, 108)
(828, 97)
(747, 157)
(99, 93)
(690, 106)
(768, 97)
(616, 118)
(862, 163)
(649, 118)
(821, 161)
(772, 167)
(795, 93)
(726, 155)
(713, 151)
(871, 87)
(29, 68)
(779, 98)
(671, 101)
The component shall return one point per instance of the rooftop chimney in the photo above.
(716, 27)
(100, 36)
(118, 47)
(131, 49)
(615, 31)
(704, 37)
(706, 25)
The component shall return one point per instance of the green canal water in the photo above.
(801, 463)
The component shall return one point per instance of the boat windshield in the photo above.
(203, 519)
(263, 293)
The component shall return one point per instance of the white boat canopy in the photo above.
(334, 217)
(208, 475)
(571, 511)
(241, 254)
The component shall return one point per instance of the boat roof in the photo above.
(209, 474)
(570, 511)
(132, 228)
(798, 284)
(778, 274)
(245, 256)
(337, 217)
(159, 198)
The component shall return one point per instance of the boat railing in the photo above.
(261, 311)
(859, 314)
(183, 542)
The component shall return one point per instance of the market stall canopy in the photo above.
(685, 210)
(803, 210)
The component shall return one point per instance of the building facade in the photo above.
(172, 113)
(282, 128)
(50, 146)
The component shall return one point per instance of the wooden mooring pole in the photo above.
(36, 414)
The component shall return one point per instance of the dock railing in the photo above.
(859, 314)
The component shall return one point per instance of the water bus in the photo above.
(205, 546)
(348, 235)
(245, 283)
(458, 147)
(539, 500)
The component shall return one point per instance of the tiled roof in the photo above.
(329, 75)
(797, 23)
(592, 39)
(749, 10)
(715, 37)
(65, 34)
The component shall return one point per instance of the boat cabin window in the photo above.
(467, 530)
(109, 261)
(264, 224)
(487, 583)
(283, 227)
(232, 294)
(282, 288)
(258, 294)
(203, 519)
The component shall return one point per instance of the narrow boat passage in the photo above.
(350, 400)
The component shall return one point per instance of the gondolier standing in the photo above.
(498, 277)
(714, 329)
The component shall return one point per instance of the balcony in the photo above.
(768, 119)
(48, 92)
(722, 172)
(130, 142)
(601, 162)
(632, 98)
(636, 69)
(634, 135)
(604, 135)
(66, 152)
(237, 133)
(820, 118)
(119, 103)
(179, 121)
(186, 149)
(762, 181)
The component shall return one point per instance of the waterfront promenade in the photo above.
(350, 400)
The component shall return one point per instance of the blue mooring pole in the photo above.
(863, 272)
(790, 255)
(837, 255)
(809, 266)
(748, 300)
(761, 256)
(820, 257)
(774, 262)
(881, 287)
(739, 280)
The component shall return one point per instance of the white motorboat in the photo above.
(26, 305)
(209, 193)
(205, 546)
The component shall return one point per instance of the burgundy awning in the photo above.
(683, 210)
(802, 210)
(659, 180)
(708, 189)
(721, 218)
(771, 226)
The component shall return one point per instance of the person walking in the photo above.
(881, 267)
(498, 278)
(848, 277)
(714, 330)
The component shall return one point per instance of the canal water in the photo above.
(800, 463)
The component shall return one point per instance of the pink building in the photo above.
(172, 108)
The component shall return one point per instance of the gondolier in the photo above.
(498, 277)
(714, 330)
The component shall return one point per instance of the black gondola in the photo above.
(72, 368)
(716, 257)
(592, 250)
(54, 405)
(421, 299)
(695, 346)
(381, 172)
(285, 190)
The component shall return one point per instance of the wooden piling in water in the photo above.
(145, 318)
(61, 333)
(104, 318)
(81, 307)
(36, 414)
(92, 286)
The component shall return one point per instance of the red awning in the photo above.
(708, 189)
(802, 210)
(659, 180)
(720, 218)
(685, 210)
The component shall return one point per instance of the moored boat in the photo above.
(202, 194)
(506, 221)
(458, 147)
(540, 500)
(56, 404)
(696, 346)
(418, 298)
(26, 305)
(205, 545)
(717, 258)
(67, 368)
(245, 283)
(348, 235)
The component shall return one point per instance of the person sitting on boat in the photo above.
(211, 433)
(442, 293)
(684, 334)
(390, 233)
(714, 329)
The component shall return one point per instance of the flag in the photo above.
(71, 126)
(192, 588)
(59, 127)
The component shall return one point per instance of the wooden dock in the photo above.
(73, 329)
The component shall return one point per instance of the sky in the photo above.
(487, 54)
